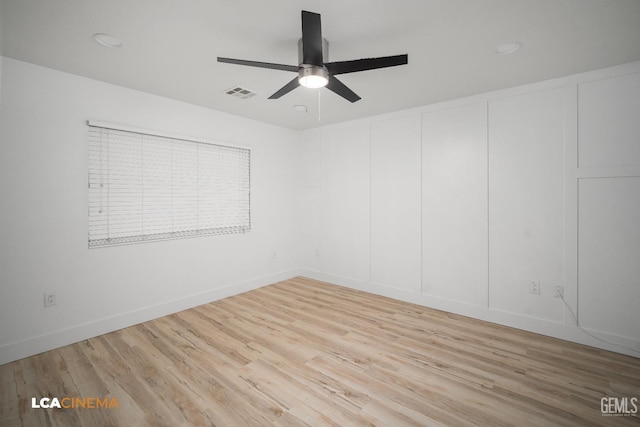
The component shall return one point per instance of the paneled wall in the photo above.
(526, 202)
(454, 204)
(345, 187)
(395, 203)
(608, 255)
(609, 122)
(463, 205)
(608, 181)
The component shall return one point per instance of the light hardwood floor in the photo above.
(303, 352)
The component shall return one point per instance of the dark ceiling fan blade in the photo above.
(286, 89)
(343, 67)
(269, 65)
(311, 39)
(338, 87)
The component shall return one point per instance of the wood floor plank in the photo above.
(307, 353)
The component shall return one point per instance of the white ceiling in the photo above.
(170, 47)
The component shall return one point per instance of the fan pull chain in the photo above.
(319, 104)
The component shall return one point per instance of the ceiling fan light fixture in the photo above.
(313, 77)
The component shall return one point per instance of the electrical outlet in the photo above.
(534, 287)
(50, 299)
(559, 292)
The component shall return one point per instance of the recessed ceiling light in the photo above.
(507, 48)
(107, 40)
(300, 108)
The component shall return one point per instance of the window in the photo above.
(145, 187)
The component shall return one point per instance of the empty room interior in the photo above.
(337, 213)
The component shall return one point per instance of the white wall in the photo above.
(608, 208)
(308, 224)
(609, 244)
(460, 205)
(1, 47)
(395, 203)
(456, 206)
(526, 202)
(43, 215)
(345, 229)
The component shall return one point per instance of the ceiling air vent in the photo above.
(240, 92)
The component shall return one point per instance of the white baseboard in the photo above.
(34, 345)
(618, 344)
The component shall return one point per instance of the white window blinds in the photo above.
(145, 187)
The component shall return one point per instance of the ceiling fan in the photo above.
(313, 72)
